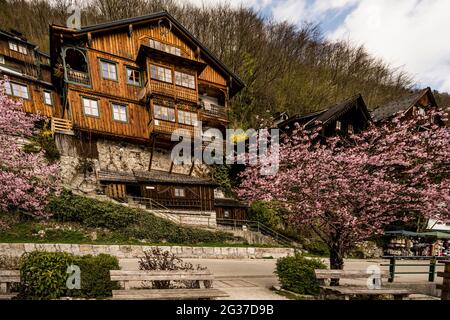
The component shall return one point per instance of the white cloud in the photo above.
(408, 33)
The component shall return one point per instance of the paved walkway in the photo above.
(253, 278)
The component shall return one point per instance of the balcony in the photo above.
(169, 90)
(168, 127)
(215, 111)
(63, 126)
(75, 76)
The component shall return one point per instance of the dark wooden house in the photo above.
(415, 103)
(29, 74)
(348, 117)
(230, 209)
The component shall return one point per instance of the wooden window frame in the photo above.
(164, 67)
(12, 44)
(114, 103)
(140, 76)
(165, 44)
(22, 48)
(20, 84)
(2, 59)
(187, 74)
(93, 99)
(338, 125)
(189, 112)
(51, 97)
(160, 106)
(101, 61)
(179, 196)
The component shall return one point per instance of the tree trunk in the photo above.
(336, 261)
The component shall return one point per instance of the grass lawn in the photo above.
(68, 232)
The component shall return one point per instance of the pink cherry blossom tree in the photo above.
(26, 178)
(347, 189)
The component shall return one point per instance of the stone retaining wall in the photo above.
(135, 251)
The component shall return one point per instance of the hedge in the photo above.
(44, 275)
(128, 222)
(297, 274)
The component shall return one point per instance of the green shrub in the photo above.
(90, 212)
(95, 277)
(154, 229)
(129, 222)
(317, 247)
(262, 212)
(297, 274)
(43, 274)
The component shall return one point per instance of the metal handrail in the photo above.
(152, 205)
(261, 228)
(432, 265)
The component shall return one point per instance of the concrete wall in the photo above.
(135, 251)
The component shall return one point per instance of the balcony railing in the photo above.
(215, 111)
(78, 77)
(168, 127)
(168, 89)
(64, 126)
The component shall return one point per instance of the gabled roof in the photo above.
(339, 109)
(402, 104)
(311, 120)
(237, 83)
(153, 176)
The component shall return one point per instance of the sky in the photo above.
(409, 34)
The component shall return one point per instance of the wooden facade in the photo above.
(25, 66)
(345, 118)
(172, 70)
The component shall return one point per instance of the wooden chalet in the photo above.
(348, 117)
(29, 74)
(139, 79)
(131, 82)
(415, 103)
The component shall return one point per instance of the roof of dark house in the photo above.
(164, 14)
(229, 202)
(310, 120)
(154, 176)
(401, 104)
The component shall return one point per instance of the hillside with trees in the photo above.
(286, 67)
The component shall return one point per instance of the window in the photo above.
(226, 214)
(90, 107)
(155, 44)
(164, 113)
(421, 111)
(2, 60)
(179, 192)
(161, 73)
(338, 125)
(350, 129)
(17, 90)
(189, 118)
(184, 80)
(108, 70)
(23, 49)
(48, 98)
(13, 46)
(133, 76)
(119, 112)
(8, 88)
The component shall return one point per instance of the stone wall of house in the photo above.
(136, 251)
(80, 160)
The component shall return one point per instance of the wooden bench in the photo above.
(202, 279)
(352, 290)
(7, 279)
